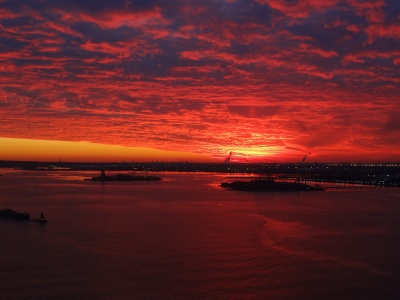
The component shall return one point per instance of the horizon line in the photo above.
(193, 162)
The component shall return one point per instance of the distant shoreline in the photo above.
(376, 174)
(94, 164)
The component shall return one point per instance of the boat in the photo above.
(41, 219)
(11, 214)
(268, 184)
(124, 177)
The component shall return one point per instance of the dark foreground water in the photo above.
(186, 238)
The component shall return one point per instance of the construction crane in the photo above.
(228, 159)
(304, 158)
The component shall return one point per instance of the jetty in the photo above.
(12, 214)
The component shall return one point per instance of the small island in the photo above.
(268, 184)
(123, 177)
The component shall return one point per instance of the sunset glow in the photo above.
(267, 80)
(41, 150)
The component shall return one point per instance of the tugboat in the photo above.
(41, 219)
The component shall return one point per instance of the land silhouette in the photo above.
(377, 174)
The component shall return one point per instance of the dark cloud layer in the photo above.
(259, 78)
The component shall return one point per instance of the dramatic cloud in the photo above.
(265, 79)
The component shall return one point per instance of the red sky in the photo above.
(175, 80)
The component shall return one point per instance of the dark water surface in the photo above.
(187, 238)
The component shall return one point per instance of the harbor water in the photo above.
(185, 237)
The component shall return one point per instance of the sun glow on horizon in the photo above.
(49, 150)
(254, 154)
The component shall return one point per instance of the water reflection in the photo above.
(185, 237)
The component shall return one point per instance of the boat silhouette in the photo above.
(41, 219)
